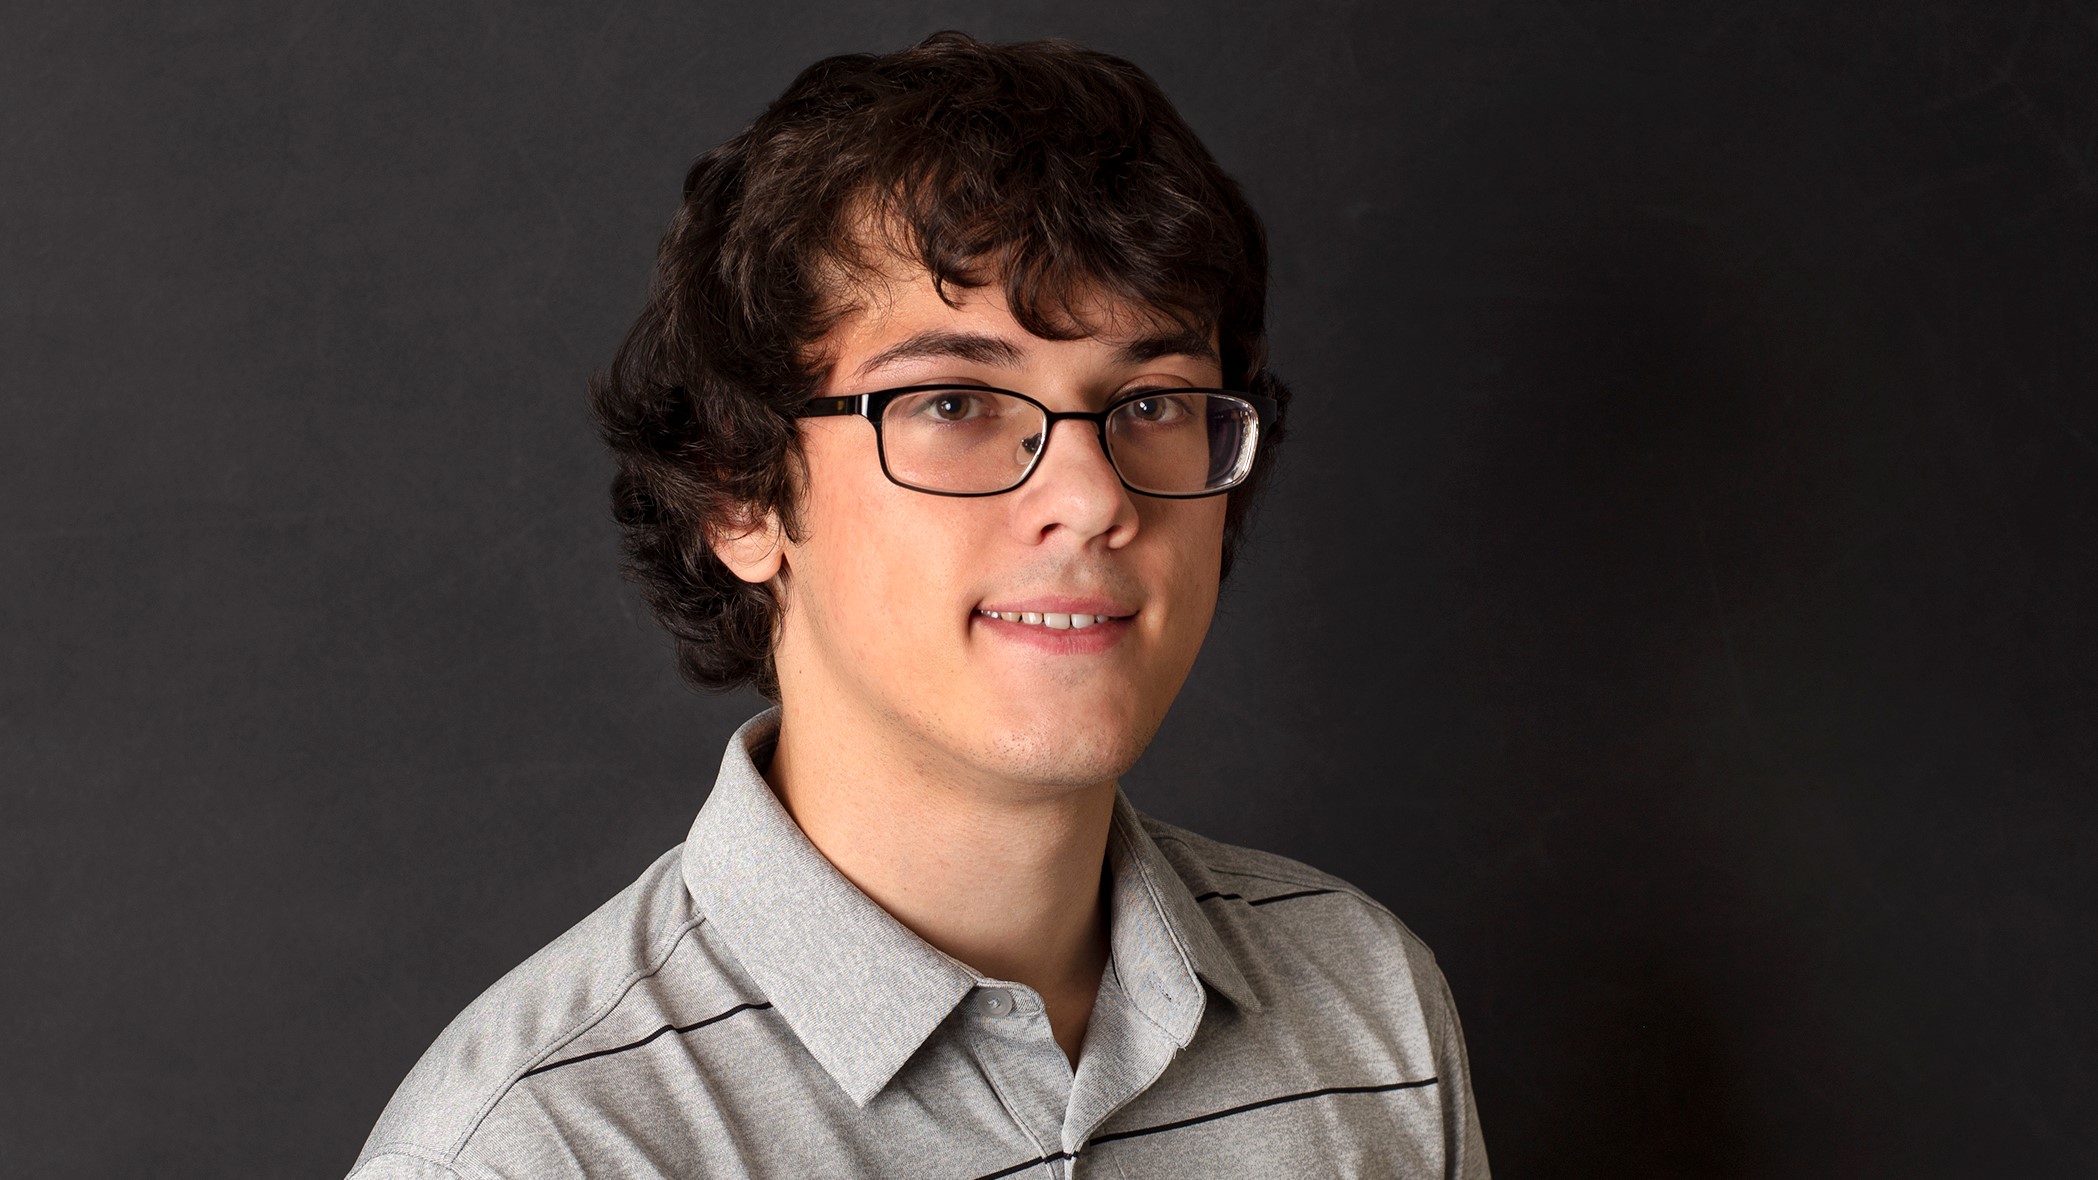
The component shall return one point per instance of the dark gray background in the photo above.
(1678, 601)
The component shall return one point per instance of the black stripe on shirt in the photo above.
(1215, 896)
(680, 1029)
(1033, 1163)
(1226, 1113)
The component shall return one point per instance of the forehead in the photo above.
(901, 313)
(877, 288)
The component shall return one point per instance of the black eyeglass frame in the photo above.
(872, 406)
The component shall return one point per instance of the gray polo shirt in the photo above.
(742, 1010)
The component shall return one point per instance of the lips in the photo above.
(1057, 612)
(1063, 604)
(1054, 620)
(1059, 624)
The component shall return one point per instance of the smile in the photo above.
(1055, 621)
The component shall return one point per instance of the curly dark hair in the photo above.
(1056, 169)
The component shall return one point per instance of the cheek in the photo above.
(1188, 544)
(872, 562)
(1190, 537)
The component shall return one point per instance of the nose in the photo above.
(1074, 489)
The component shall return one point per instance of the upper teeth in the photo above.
(1050, 619)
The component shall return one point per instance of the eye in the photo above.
(949, 405)
(1155, 409)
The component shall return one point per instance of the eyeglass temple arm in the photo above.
(1268, 408)
(831, 407)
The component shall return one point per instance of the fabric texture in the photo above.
(743, 1010)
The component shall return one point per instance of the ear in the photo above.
(754, 552)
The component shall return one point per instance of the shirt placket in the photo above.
(1010, 1037)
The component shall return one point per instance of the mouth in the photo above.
(1061, 625)
(1055, 620)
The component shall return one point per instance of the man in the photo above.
(939, 429)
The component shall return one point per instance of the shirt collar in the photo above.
(1161, 940)
(859, 989)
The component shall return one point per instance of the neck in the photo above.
(1002, 878)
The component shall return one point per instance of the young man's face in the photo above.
(889, 592)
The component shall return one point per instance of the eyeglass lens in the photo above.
(981, 441)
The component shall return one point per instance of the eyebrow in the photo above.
(1180, 342)
(983, 349)
(940, 343)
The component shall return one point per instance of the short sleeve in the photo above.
(1464, 1150)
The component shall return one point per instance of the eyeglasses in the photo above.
(968, 440)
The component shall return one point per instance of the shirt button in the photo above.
(996, 1001)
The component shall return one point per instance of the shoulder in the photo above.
(401, 1166)
(1194, 851)
(526, 1017)
(1293, 924)
(1258, 878)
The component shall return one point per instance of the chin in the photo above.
(1066, 752)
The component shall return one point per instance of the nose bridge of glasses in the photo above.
(1097, 419)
